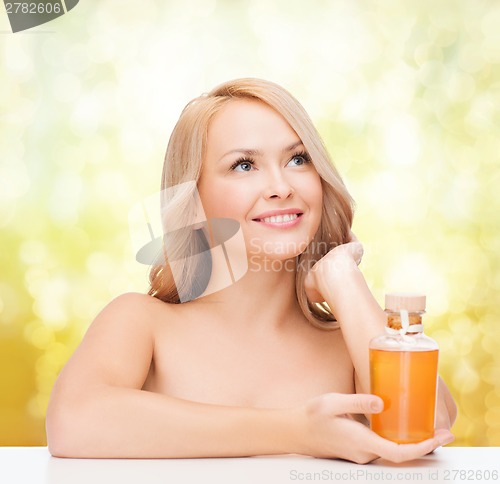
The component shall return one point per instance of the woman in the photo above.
(275, 360)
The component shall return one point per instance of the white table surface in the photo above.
(34, 465)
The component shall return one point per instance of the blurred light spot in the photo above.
(202, 8)
(93, 109)
(333, 88)
(469, 58)
(112, 186)
(492, 399)
(37, 405)
(71, 158)
(397, 194)
(460, 86)
(34, 280)
(427, 52)
(119, 285)
(47, 365)
(401, 139)
(96, 152)
(14, 179)
(33, 252)
(354, 108)
(67, 87)
(492, 417)
(42, 337)
(493, 436)
(101, 47)
(481, 113)
(50, 302)
(457, 199)
(7, 213)
(17, 62)
(50, 47)
(10, 301)
(2, 306)
(443, 338)
(432, 74)
(465, 378)
(76, 58)
(137, 145)
(490, 48)
(462, 325)
(464, 345)
(395, 88)
(445, 37)
(100, 264)
(490, 373)
(65, 198)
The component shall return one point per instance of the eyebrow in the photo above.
(250, 152)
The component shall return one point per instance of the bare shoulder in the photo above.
(117, 348)
(136, 303)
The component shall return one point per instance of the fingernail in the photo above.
(376, 405)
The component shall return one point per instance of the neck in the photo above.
(263, 298)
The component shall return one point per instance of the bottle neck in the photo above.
(404, 322)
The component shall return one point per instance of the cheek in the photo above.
(312, 192)
(223, 201)
(313, 197)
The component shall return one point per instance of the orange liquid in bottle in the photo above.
(406, 381)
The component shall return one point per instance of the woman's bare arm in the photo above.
(337, 279)
(97, 408)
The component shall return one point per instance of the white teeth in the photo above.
(280, 218)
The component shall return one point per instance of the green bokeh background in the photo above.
(405, 94)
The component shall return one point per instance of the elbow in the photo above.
(64, 432)
(59, 441)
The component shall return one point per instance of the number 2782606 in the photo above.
(33, 7)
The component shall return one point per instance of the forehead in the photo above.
(249, 122)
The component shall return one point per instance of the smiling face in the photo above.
(256, 171)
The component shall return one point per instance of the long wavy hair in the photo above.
(183, 162)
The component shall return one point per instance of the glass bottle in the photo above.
(403, 372)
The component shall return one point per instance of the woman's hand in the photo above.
(341, 257)
(329, 431)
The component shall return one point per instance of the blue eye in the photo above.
(299, 159)
(245, 165)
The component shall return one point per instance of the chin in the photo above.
(282, 249)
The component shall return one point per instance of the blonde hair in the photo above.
(183, 161)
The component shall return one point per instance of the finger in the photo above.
(341, 403)
(403, 452)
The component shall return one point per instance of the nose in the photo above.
(277, 186)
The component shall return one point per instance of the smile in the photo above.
(280, 221)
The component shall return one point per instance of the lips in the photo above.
(280, 219)
(279, 216)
